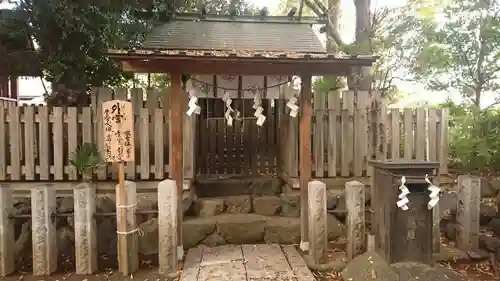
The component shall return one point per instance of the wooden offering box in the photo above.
(402, 235)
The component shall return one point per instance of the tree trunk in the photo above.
(361, 77)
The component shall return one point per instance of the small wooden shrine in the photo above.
(241, 55)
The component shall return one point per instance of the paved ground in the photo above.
(263, 262)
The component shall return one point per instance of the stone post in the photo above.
(355, 204)
(85, 228)
(43, 206)
(318, 233)
(370, 242)
(468, 202)
(7, 241)
(129, 238)
(167, 227)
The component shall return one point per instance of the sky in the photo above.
(33, 86)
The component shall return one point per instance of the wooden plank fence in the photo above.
(35, 141)
(241, 149)
(8, 102)
(345, 130)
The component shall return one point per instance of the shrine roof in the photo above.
(249, 34)
(147, 54)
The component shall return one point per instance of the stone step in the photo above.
(286, 204)
(249, 229)
(233, 186)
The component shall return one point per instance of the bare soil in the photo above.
(472, 271)
(107, 271)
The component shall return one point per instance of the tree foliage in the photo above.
(456, 50)
(459, 49)
(473, 138)
(73, 37)
(380, 32)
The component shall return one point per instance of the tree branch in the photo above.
(313, 7)
(332, 13)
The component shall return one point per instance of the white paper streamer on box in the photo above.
(292, 104)
(193, 107)
(257, 105)
(434, 195)
(403, 200)
(228, 101)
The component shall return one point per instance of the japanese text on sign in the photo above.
(118, 126)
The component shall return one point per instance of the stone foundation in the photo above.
(266, 212)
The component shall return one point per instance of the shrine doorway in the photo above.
(241, 149)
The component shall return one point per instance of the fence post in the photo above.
(318, 233)
(355, 204)
(85, 229)
(469, 197)
(167, 227)
(128, 240)
(7, 241)
(43, 206)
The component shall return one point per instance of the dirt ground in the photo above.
(471, 271)
(107, 271)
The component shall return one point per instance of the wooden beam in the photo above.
(176, 127)
(4, 86)
(305, 156)
(238, 67)
(14, 88)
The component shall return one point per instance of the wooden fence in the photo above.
(241, 149)
(347, 132)
(35, 141)
(8, 102)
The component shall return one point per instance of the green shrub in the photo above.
(474, 138)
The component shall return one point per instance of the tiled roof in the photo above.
(251, 36)
(146, 54)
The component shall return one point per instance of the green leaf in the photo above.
(86, 159)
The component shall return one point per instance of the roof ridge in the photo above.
(248, 19)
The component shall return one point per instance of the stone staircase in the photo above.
(247, 211)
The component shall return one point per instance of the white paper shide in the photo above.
(434, 195)
(257, 105)
(229, 110)
(193, 106)
(403, 200)
(292, 105)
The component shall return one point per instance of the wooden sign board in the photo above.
(118, 120)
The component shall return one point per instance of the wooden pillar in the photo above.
(14, 88)
(4, 86)
(177, 112)
(305, 157)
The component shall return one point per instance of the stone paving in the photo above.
(262, 262)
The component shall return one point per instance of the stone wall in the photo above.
(259, 210)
